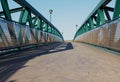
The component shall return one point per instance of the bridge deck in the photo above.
(65, 62)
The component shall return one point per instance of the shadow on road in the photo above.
(11, 63)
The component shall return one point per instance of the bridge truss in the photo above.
(102, 27)
(32, 28)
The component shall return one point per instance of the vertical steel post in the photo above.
(91, 23)
(23, 17)
(117, 9)
(5, 8)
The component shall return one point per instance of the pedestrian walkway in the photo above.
(68, 62)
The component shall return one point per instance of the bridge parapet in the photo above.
(101, 27)
(106, 36)
(32, 28)
(102, 14)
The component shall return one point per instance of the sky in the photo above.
(66, 13)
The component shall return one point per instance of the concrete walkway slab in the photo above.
(83, 63)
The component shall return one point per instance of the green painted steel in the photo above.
(12, 10)
(23, 17)
(6, 9)
(91, 23)
(31, 29)
(29, 18)
(117, 9)
(99, 16)
(36, 13)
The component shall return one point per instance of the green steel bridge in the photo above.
(101, 28)
(32, 28)
(33, 36)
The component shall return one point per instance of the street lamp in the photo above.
(76, 27)
(51, 11)
(62, 33)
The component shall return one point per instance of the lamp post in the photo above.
(62, 33)
(76, 27)
(51, 11)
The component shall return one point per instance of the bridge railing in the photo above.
(102, 28)
(102, 14)
(31, 29)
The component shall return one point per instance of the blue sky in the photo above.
(66, 13)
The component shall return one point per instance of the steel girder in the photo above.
(99, 16)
